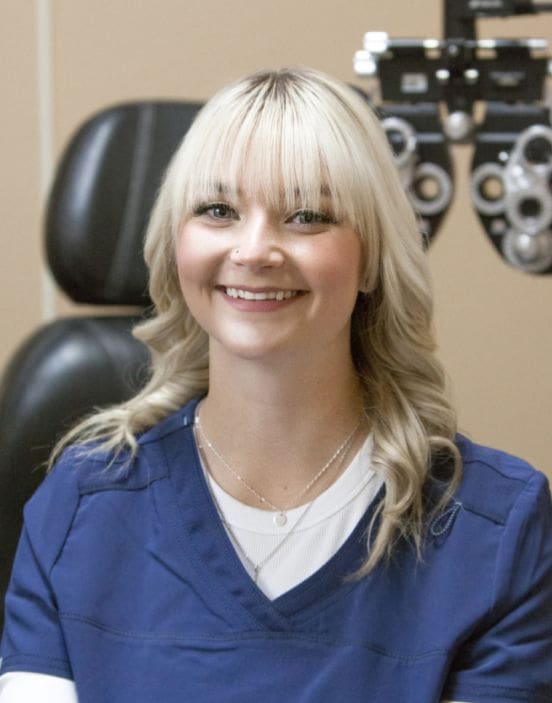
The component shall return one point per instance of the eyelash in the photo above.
(317, 217)
(208, 208)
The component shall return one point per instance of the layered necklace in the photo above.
(280, 517)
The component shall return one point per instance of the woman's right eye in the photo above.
(221, 212)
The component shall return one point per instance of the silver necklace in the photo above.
(256, 567)
(280, 517)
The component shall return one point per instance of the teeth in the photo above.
(268, 295)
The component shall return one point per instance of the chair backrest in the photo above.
(97, 213)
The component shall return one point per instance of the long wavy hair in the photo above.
(282, 135)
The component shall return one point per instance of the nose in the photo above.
(257, 245)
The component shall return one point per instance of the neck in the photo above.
(278, 426)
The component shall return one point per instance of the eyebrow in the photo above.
(223, 189)
(324, 191)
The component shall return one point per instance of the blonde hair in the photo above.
(299, 134)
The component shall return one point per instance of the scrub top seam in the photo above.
(255, 635)
(531, 500)
(496, 469)
(63, 543)
(509, 692)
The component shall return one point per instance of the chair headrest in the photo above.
(102, 196)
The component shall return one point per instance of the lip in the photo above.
(256, 289)
(263, 304)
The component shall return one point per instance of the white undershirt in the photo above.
(312, 534)
(25, 687)
(322, 526)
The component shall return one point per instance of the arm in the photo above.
(508, 657)
(33, 639)
(39, 688)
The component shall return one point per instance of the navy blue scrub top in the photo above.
(125, 581)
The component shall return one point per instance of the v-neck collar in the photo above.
(206, 543)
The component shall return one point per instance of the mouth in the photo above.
(246, 294)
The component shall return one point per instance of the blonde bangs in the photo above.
(275, 145)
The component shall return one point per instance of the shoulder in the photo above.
(89, 469)
(83, 470)
(496, 484)
(504, 558)
(172, 425)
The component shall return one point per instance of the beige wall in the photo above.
(494, 323)
(20, 254)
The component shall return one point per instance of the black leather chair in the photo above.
(96, 217)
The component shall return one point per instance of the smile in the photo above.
(260, 295)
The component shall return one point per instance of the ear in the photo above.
(368, 279)
(365, 286)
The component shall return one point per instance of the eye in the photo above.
(221, 212)
(311, 217)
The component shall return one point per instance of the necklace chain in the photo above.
(253, 491)
(342, 450)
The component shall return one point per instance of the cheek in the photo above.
(187, 268)
(186, 255)
(195, 274)
(194, 261)
(337, 266)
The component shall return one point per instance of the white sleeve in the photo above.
(24, 686)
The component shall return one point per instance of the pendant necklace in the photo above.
(280, 518)
(256, 567)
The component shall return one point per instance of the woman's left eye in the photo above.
(311, 217)
(216, 211)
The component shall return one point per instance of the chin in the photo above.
(253, 348)
(256, 352)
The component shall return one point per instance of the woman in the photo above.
(285, 510)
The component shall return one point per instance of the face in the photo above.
(264, 282)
